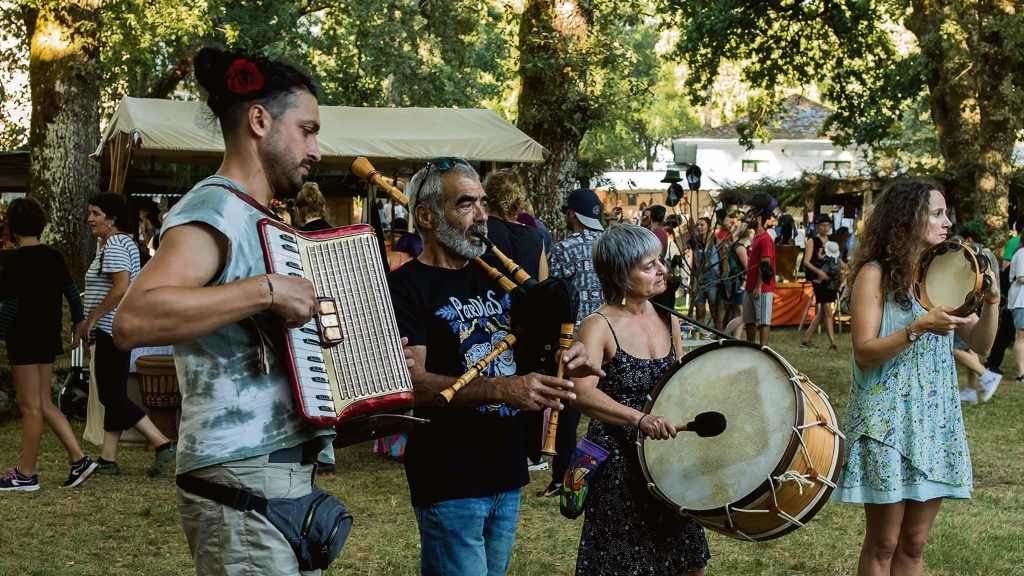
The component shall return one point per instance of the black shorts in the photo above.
(824, 295)
(23, 350)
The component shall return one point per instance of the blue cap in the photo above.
(587, 207)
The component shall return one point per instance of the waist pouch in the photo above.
(316, 525)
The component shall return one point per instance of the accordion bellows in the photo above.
(347, 361)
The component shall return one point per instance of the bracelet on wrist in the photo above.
(270, 288)
(641, 420)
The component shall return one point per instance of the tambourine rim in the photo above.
(779, 469)
(921, 274)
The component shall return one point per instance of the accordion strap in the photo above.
(247, 199)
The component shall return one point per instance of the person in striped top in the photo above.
(112, 270)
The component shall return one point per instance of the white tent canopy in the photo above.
(179, 130)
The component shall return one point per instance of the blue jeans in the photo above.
(468, 536)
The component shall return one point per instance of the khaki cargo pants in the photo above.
(228, 542)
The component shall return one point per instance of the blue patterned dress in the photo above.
(904, 429)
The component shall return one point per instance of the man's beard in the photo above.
(284, 178)
(458, 242)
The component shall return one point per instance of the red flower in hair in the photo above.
(244, 77)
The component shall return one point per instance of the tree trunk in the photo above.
(554, 108)
(63, 78)
(969, 100)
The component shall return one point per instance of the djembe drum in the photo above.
(158, 383)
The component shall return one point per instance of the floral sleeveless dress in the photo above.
(625, 530)
(904, 428)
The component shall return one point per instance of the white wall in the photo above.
(721, 161)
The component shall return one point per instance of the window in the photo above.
(631, 200)
(753, 165)
(837, 165)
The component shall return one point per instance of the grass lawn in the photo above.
(129, 524)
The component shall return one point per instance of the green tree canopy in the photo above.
(966, 58)
(652, 108)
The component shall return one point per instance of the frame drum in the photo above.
(775, 464)
(951, 275)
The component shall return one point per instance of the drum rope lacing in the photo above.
(802, 480)
(776, 483)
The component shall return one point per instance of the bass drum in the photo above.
(775, 464)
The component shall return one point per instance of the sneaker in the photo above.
(163, 462)
(806, 345)
(969, 396)
(14, 481)
(553, 489)
(539, 466)
(107, 467)
(989, 382)
(80, 472)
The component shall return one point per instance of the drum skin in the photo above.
(950, 275)
(775, 464)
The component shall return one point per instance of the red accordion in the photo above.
(346, 364)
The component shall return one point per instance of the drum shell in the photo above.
(815, 451)
(158, 381)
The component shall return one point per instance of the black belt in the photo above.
(299, 454)
(237, 498)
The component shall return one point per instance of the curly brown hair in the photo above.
(890, 237)
(505, 195)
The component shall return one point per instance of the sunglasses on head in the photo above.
(442, 165)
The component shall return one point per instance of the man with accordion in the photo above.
(465, 468)
(206, 291)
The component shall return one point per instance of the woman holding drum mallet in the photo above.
(907, 449)
(626, 531)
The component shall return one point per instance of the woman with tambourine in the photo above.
(907, 449)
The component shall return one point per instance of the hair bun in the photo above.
(210, 65)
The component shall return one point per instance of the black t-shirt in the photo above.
(36, 276)
(465, 452)
(314, 225)
(517, 241)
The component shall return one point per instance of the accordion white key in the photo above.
(347, 362)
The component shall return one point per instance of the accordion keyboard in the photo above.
(363, 372)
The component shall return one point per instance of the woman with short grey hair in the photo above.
(625, 530)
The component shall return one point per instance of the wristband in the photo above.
(641, 420)
(270, 287)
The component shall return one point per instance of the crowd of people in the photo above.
(34, 282)
(206, 290)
